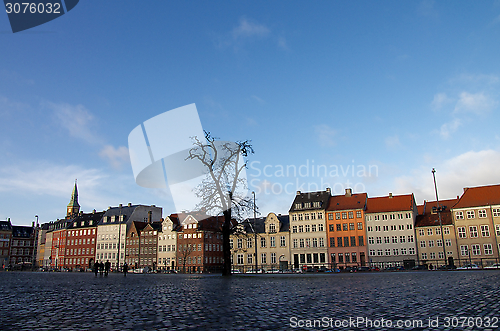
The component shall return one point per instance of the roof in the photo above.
(301, 198)
(5, 226)
(86, 219)
(344, 202)
(22, 231)
(74, 198)
(259, 224)
(425, 216)
(390, 203)
(479, 196)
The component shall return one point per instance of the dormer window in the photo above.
(194, 225)
(317, 204)
(307, 205)
(272, 228)
(298, 206)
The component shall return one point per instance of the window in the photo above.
(377, 217)
(298, 206)
(447, 242)
(360, 225)
(379, 240)
(371, 240)
(438, 231)
(388, 251)
(496, 212)
(386, 228)
(461, 232)
(321, 242)
(272, 228)
(339, 241)
(344, 215)
(294, 229)
(240, 243)
(294, 217)
(411, 250)
(358, 214)
(432, 255)
(282, 241)
(403, 251)
(497, 229)
(459, 215)
(308, 228)
(320, 216)
(387, 240)
(339, 227)
(361, 241)
(402, 239)
(262, 242)
(392, 217)
(409, 226)
(332, 258)
(431, 243)
(344, 227)
(295, 242)
(239, 259)
(301, 243)
(353, 241)
(476, 249)
(384, 217)
(332, 241)
(301, 217)
(330, 216)
(473, 231)
(320, 227)
(395, 252)
(429, 232)
(249, 242)
(273, 258)
(471, 214)
(263, 258)
(439, 243)
(372, 252)
(346, 241)
(394, 239)
(249, 258)
(273, 241)
(347, 258)
(422, 243)
(424, 256)
(485, 231)
(313, 228)
(315, 242)
(464, 250)
(351, 214)
(301, 228)
(488, 249)
(440, 255)
(231, 243)
(341, 258)
(331, 227)
(351, 226)
(380, 252)
(377, 227)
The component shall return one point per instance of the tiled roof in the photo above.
(343, 202)
(430, 219)
(284, 223)
(21, 231)
(390, 203)
(301, 198)
(86, 218)
(479, 196)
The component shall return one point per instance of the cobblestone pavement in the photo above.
(80, 301)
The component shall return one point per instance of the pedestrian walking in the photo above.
(125, 269)
(101, 268)
(96, 268)
(107, 266)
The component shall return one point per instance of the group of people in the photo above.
(104, 268)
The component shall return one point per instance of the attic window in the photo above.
(307, 205)
(194, 225)
(298, 206)
(316, 204)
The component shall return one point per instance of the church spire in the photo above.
(73, 206)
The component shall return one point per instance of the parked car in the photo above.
(468, 267)
(493, 266)
(363, 269)
(419, 267)
(375, 269)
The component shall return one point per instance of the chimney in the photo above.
(153, 205)
(130, 204)
(298, 192)
(109, 207)
(93, 211)
(390, 195)
(120, 205)
(33, 224)
(328, 190)
(348, 192)
(150, 213)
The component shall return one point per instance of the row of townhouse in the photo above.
(17, 245)
(132, 234)
(349, 230)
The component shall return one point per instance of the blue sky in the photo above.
(400, 87)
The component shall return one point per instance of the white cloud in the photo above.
(8, 107)
(115, 156)
(249, 29)
(449, 128)
(477, 103)
(392, 142)
(325, 135)
(440, 100)
(282, 43)
(426, 8)
(76, 119)
(465, 170)
(259, 100)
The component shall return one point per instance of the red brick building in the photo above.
(199, 244)
(81, 241)
(142, 244)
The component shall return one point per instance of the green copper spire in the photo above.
(74, 197)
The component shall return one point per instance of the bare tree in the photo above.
(185, 251)
(224, 189)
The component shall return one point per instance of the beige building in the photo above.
(273, 244)
(167, 243)
(477, 225)
(390, 229)
(308, 230)
(430, 237)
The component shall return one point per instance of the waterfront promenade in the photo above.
(80, 301)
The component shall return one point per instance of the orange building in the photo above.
(346, 230)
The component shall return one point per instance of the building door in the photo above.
(296, 261)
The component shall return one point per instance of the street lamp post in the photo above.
(255, 231)
(439, 215)
(35, 243)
